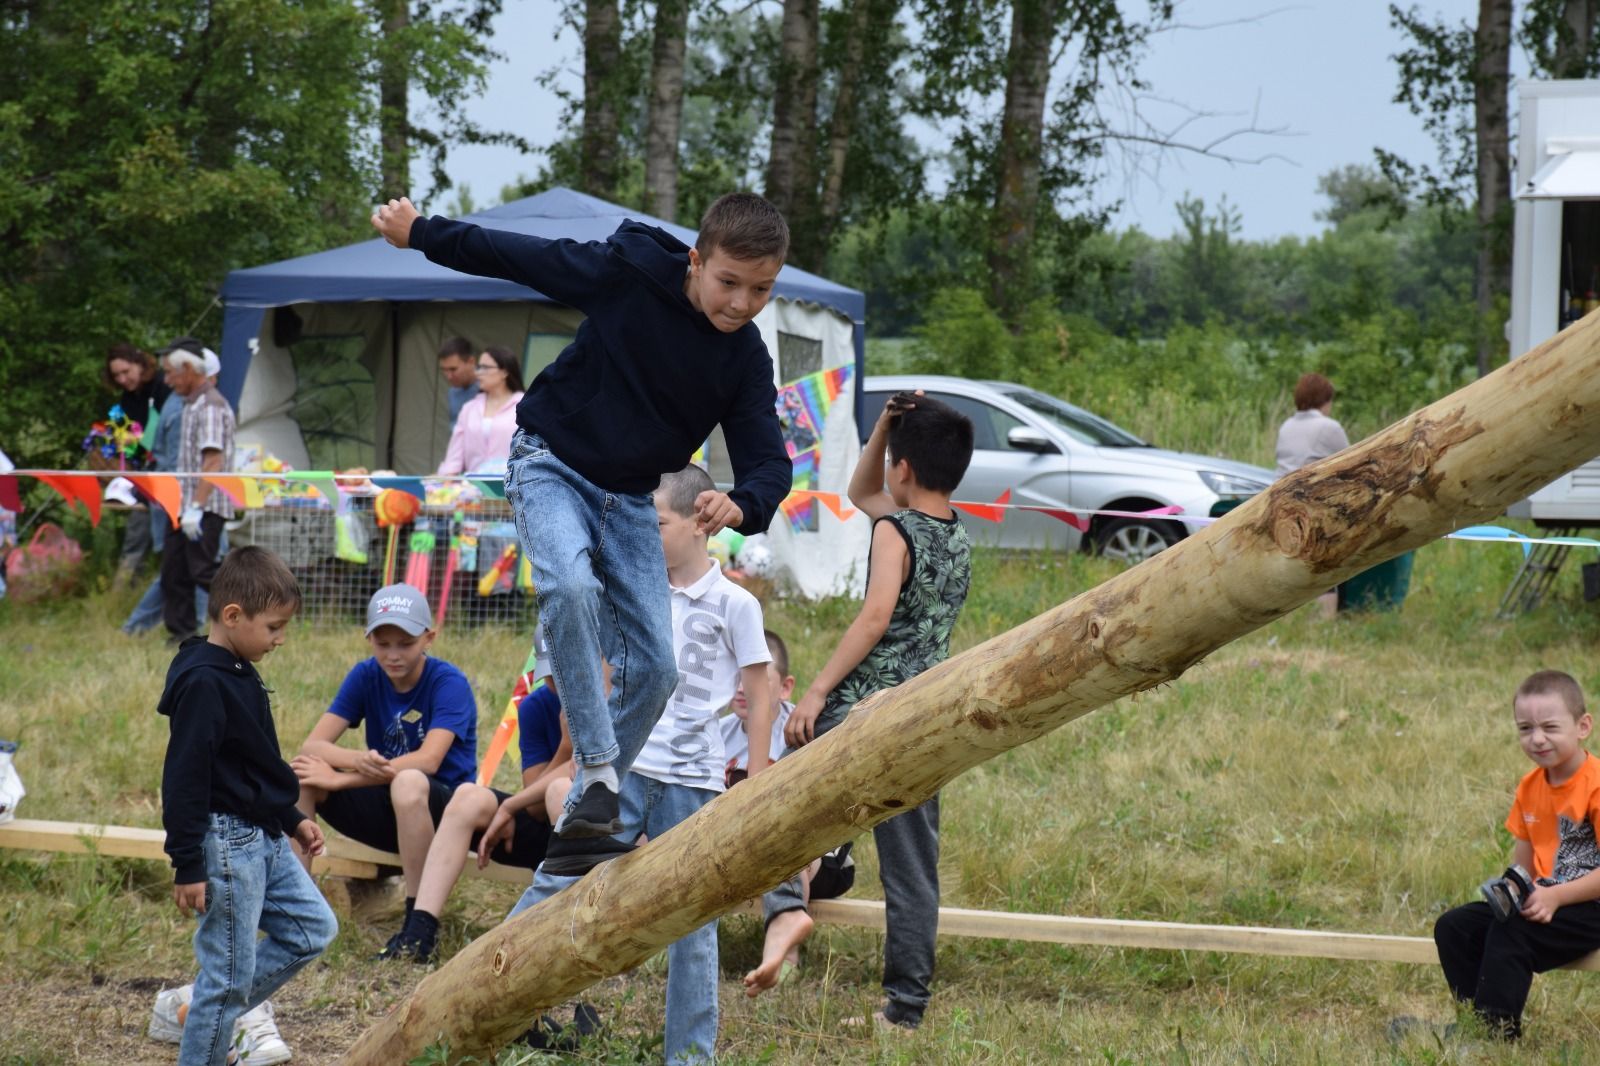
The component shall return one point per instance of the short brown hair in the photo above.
(1311, 391)
(679, 489)
(779, 650)
(255, 579)
(459, 347)
(1554, 683)
(745, 226)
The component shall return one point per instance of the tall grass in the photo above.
(1346, 775)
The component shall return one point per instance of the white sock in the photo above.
(603, 773)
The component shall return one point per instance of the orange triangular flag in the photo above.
(162, 488)
(79, 488)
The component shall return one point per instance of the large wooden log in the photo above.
(1454, 463)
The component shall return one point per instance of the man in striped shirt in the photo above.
(205, 445)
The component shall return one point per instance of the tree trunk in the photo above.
(666, 109)
(1574, 36)
(1459, 461)
(394, 119)
(791, 163)
(842, 124)
(1491, 113)
(602, 59)
(1021, 155)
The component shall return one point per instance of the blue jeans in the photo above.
(147, 614)
(652, 807)
(253, 882)
(602, 589)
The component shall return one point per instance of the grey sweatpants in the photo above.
(908, 866)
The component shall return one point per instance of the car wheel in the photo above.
(1133, 541)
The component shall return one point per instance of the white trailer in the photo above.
(1555, 254)
(1555, 280)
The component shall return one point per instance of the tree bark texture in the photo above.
(791, 162)
(1021, 154)
(1491, 115)
(602, 59)
(842, 123)
(394, 117)
(1457, 462)
(1574, 37)
(666, 109)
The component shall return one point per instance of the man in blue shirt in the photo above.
(458, 362)
(419, 713)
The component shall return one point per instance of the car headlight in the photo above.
(1231, 484)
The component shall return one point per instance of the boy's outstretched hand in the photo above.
(714, 512)
(801, 728)
(394, 219)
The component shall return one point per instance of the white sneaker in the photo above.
(257, 1040)
(166, 1017)
(255, 1035)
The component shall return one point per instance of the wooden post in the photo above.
(1457, 462)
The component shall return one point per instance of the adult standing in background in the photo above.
(205, 445)
(458, 363)
(164, 451)
(135, 372)
(481, 440)
(1310, 433)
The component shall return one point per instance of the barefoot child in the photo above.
(917, 577)
(228, 804)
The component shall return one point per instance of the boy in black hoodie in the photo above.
(228, 805)
(667, 352)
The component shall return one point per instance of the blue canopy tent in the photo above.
(374, 274)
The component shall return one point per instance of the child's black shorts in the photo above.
(530, 837)
(367, 814)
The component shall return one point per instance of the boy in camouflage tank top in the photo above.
(917, 577)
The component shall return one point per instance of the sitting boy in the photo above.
(1489, 960)
(786, 907)
(419, 714)
(917, 577)
(717, 639)
(516, 827)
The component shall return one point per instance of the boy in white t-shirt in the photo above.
(718, 643)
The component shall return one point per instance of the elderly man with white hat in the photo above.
(205, 446)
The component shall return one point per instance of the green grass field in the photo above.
(1348, 775)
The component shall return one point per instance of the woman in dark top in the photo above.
(135, 372)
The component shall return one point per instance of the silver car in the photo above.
(1049, 453)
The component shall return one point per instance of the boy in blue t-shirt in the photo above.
(419, 714)
(512, 830)
(668, 351)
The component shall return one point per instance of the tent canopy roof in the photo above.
(372, 270)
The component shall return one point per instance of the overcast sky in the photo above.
(1320, 70)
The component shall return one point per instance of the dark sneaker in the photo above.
(574, 858)
(406, 946)
(595, 815)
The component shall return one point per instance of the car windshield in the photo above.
(1078, 424)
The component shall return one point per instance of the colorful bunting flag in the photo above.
(77, 488)
(166, 491)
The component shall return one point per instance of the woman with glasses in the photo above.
(481, 440)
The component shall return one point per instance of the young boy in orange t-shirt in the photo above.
(1489, 962)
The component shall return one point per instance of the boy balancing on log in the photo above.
(1544, 912)
(917, 578)
(667, 352)
(228, 804)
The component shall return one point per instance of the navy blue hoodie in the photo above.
(647, 377)
(223, 755)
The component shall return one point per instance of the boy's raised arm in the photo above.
(866, 483)
(570, 272)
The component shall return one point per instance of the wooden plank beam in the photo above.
(348, 858)
(344, 857)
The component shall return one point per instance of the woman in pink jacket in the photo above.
(481, 439)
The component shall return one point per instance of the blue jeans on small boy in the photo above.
(253, 882)
(652, 807)
(602, 589)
